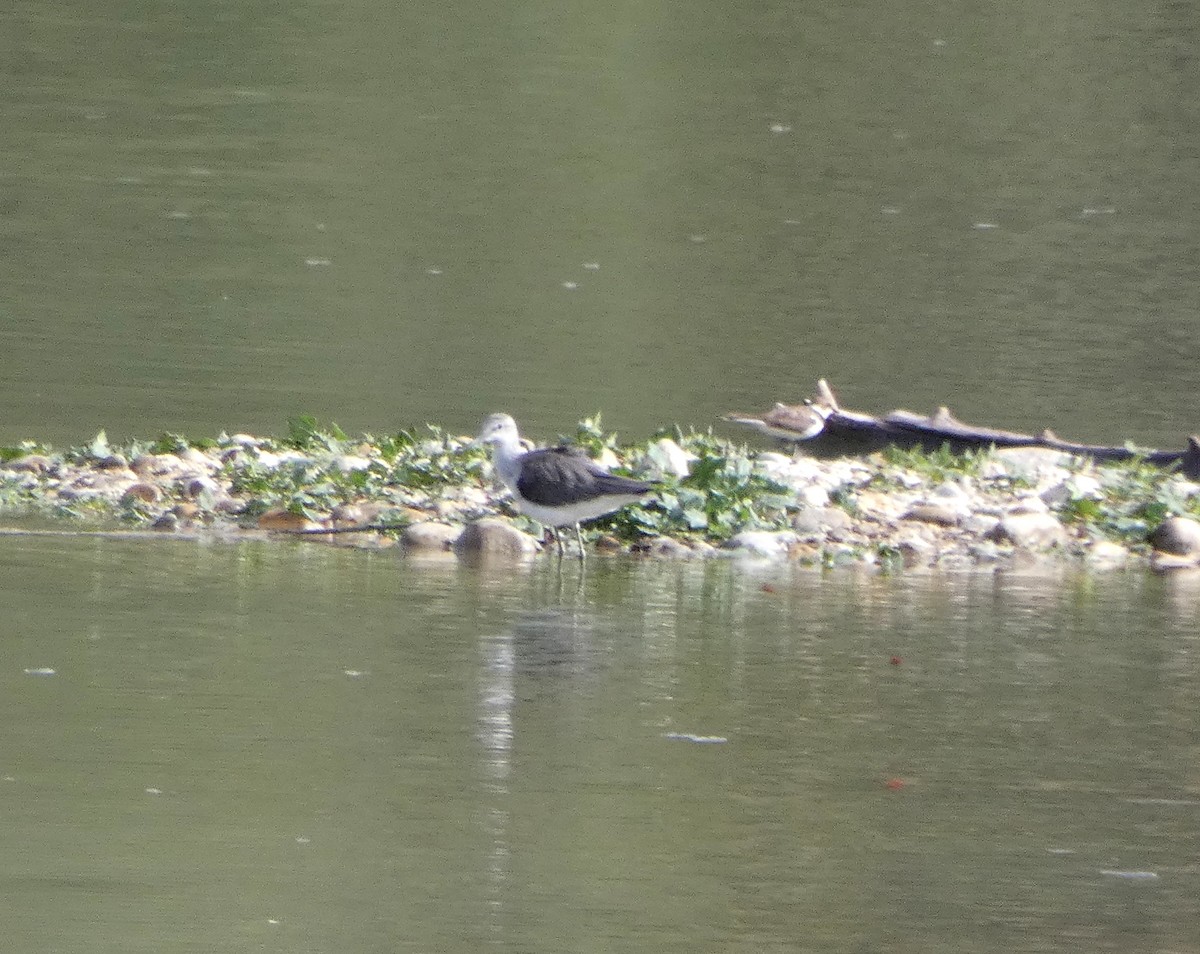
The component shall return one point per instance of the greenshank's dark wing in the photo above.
(560, 476)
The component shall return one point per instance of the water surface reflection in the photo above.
(308, 749)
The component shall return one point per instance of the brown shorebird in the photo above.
(788, 422)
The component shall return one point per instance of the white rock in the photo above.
(1179, 536)
(1183, 487)
(607, 459)
(492, 537)
(273, 459)
(1031, 531)
(1107, 553)
(1075, 487)
(814, 495)
(197, 457)
(993, 469)
(763, 543)
(347, 463)
(1031, 504)
(670, 459)
(980, 524)
(199, 486)
(429, 535)
(952, 490)
(667, 548)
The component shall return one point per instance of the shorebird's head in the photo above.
(497, 429)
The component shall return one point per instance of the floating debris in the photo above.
(1163, 801)
(698, 739)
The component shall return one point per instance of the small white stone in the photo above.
(1179, 536)
(348, 463)
(814, 495)
(763, 543)
(952, 490)
(1030, 530)
(1107, 553)
(1030, 504)
(670, 458)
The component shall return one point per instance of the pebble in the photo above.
(916, 551)
(197, 457)
(670, 549)
(762, 543)
(143, 492)
(810, 522)
(347, 463)
(980, 524)
(429, 535)
(492, 537)
(1031, 531)
(155, 465)
(670, 459)
(814, 495)
(1178, 536)
(1107, 553)
(31, 463)
(186, 511)
(348, 515)
(1077, 487)
(199, 486)
(939, 514)
(1166, 562)
(280, 519)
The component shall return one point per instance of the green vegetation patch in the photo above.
(1135, 497)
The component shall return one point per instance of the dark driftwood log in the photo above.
(852, 432)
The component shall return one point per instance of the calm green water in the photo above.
(214, 216)
(218, 215)
(262, 747)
